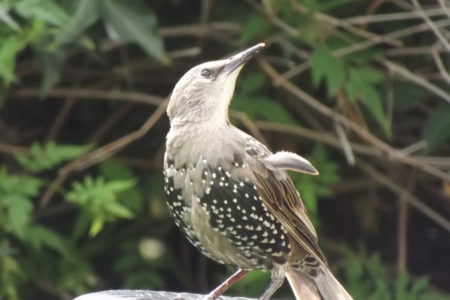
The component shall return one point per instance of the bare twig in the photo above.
(444, 7)
(90, 94)
(394, 16)
(250, 125)
(432, 26)
(315, 135)
(100, 154)
(345, 144)
(110, 123)
(395, 34)
(415, 78)
(414, 147)
(392, 153)
(413, 201)
(12, 149)
(402, 227)
(346, 25)
(411, 51)
(137, 162)
(200, 30)
(60, 118)
(438, 161)
(440, 65)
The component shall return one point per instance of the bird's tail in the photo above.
(324, 286)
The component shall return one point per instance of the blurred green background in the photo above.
(360, 88)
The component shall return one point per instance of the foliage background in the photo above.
(361, 88)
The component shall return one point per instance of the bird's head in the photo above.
(204, 93)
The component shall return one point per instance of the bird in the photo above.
(231, 196)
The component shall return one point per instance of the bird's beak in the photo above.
(238, 60)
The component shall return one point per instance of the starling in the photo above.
(231, 196)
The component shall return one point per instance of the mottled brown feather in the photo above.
(282, 200)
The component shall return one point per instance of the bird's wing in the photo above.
(282, 198)
(290, 161)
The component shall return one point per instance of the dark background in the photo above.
(360, 88)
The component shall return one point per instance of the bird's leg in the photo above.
(224, 286)
(277, 280)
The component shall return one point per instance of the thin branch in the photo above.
(392, 153)
(100, 154)
(444, 7)
(91, 94)
(415, 78)
(61, 117)
(433, 27)
(420, 145)
(201, 30)
(12, 149)
(438, 161)
(346, 25)
(440, 65)
(107, 125)
(318, 136)
(346, 147)
(402, 226)
(137, 162)
(412, 51)
(250, 125)
(374, 40)
(394, 16)
(413, 201)
(395, 34)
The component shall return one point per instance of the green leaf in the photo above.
(251, 285)
(9, 48)
(47, 11)
(86, 13)
(119, 210)
(135, 22)
(98, 200)
(7, 19)
(11, 184)
(260, 107)
(52, 64)
(113, 170)
(308, 188)
(19, 211)
(372, 101)
(419, 286)
(436, 130)
(252, 83)
(40, 236)
(50, 155)
(407, 95)
(401, 286)
(325, 66)
(96, 226)
(82, 223)
(10, 274)
(252, 29)
(313, 187)
(362, 85)
(320, 59)
(360, 80)
(336, 77)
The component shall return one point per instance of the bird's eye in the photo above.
(206, 73)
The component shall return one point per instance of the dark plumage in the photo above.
(231, 196)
